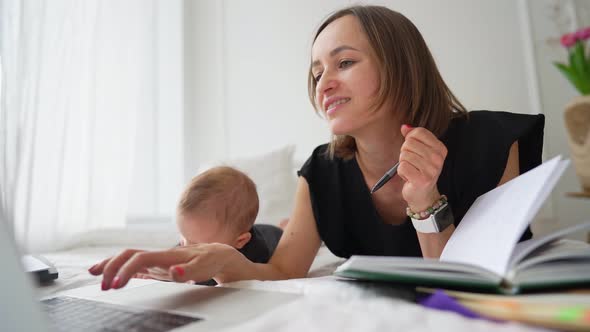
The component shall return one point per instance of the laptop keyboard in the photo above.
(74, 314)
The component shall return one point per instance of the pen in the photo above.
(388, 175)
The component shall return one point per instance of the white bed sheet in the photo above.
(328, 304)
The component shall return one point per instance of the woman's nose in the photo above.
(326, 83)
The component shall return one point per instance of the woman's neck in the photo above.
(378, 152)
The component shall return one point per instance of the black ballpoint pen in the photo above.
(388, 175)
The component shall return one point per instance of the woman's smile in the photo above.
(335, 103)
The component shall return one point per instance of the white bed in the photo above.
(327, 305)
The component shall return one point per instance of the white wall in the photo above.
(549, 19)
(250, 58)
(247, 68)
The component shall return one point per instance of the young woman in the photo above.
(374, 80)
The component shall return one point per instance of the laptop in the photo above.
(143, 305)
(40, 268)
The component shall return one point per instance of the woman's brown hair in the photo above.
(425, 101)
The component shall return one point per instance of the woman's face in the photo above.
(347, 76)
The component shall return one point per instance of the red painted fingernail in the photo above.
(115, 283)
(104, 285)
(407, 126)
(179, 271)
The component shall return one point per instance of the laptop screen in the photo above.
(19, 308)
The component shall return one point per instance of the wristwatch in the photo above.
(436, 222)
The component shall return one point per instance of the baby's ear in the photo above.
(242, 240)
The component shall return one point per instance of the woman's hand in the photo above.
(422, 156)
(197, 262)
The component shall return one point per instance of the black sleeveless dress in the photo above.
(478, 148)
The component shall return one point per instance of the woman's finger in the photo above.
(179, 272)
(426, 171)
(426, 152)
(206, 262)
(141, 260)
(427, 137)
(197, 270)
(407, 171)
(112, 267)
(97, 269)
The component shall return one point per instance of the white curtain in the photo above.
(76, 75)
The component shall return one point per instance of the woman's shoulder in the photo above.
(479, 145)
(319, 161)
(496, 123)
(493, 131)
(321, 151)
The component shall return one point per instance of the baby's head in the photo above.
(219, 205)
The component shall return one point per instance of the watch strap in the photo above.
(436, 222)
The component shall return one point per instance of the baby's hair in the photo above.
(228, 193)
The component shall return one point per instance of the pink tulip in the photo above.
(582, 34)
(568, 40)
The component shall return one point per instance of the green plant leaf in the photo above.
(567, 72)
(578, 60)
(574, 62)
(572, 76)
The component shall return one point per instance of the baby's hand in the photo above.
(155, 273)
(158, 273)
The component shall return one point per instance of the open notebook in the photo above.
(483, 253)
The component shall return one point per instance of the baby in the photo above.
(220, 206)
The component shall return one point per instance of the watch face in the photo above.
(437, 222)
(443, 217)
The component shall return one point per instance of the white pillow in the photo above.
(275, 179)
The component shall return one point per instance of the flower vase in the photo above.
(577, 123)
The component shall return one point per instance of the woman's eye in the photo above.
(317, 77)
(346, 63)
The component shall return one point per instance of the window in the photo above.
(158, 168)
